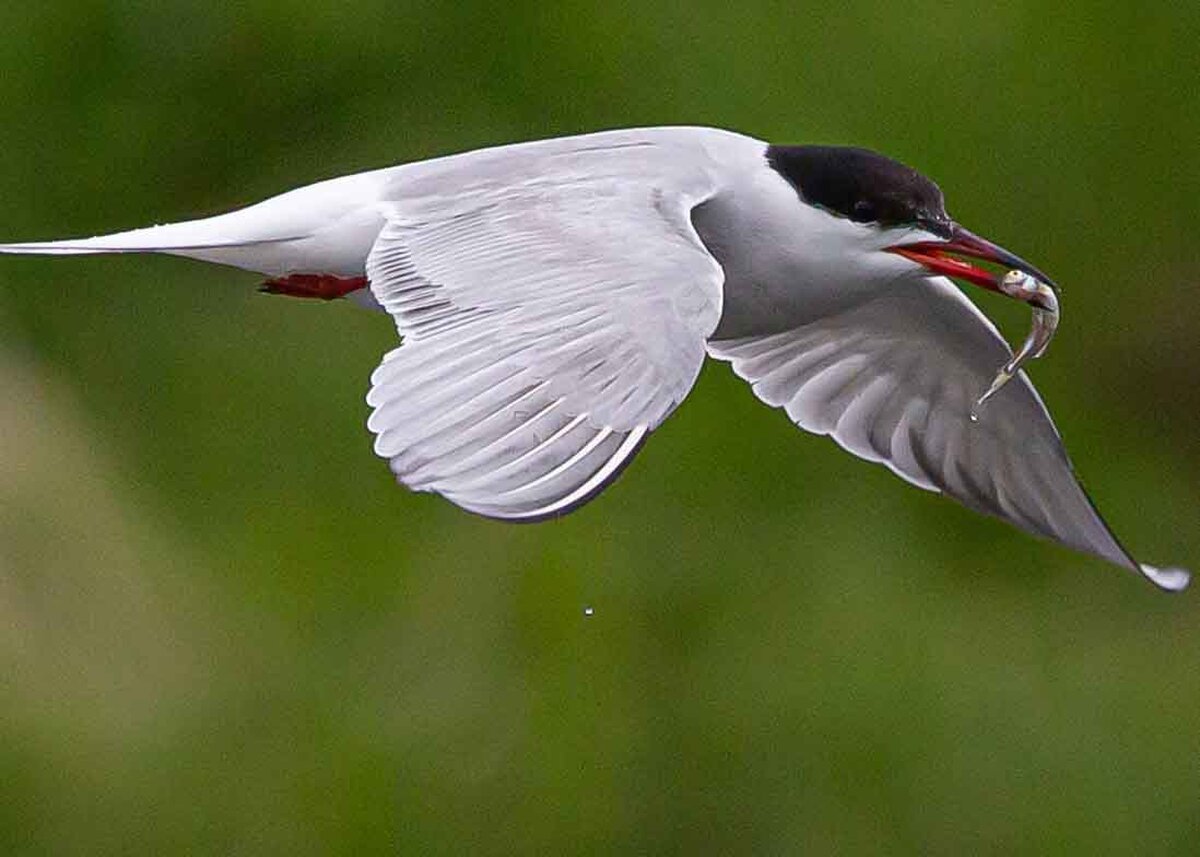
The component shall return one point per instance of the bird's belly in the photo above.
(339, 248)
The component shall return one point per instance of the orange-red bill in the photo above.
(942, 257)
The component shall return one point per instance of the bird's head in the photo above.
(894, 216)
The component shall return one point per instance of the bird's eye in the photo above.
(863, 212)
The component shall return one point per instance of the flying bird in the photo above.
(556, 299)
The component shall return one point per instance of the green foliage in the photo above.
(224, 630)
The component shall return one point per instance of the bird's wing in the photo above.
(893, 381)
(554, 310)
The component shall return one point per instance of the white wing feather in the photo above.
(893, 381)
(554, 310)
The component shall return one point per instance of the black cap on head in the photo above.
(862, 185)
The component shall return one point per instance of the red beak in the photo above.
(935, 256)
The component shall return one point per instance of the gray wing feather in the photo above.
(893, 381)
(553, 314)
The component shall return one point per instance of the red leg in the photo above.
(327, 287)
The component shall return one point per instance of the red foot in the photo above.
(327, 287)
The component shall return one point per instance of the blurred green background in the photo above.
(223, 629)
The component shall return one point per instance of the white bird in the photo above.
(556, 300)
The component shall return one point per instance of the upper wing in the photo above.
(893, 381)
(554, 307)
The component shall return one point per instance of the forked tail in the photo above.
(155, 239)
(326, 227)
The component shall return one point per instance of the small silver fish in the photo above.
(1022, 286)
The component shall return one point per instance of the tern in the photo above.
(555, 300)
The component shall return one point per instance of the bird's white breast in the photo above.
(786, 262)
